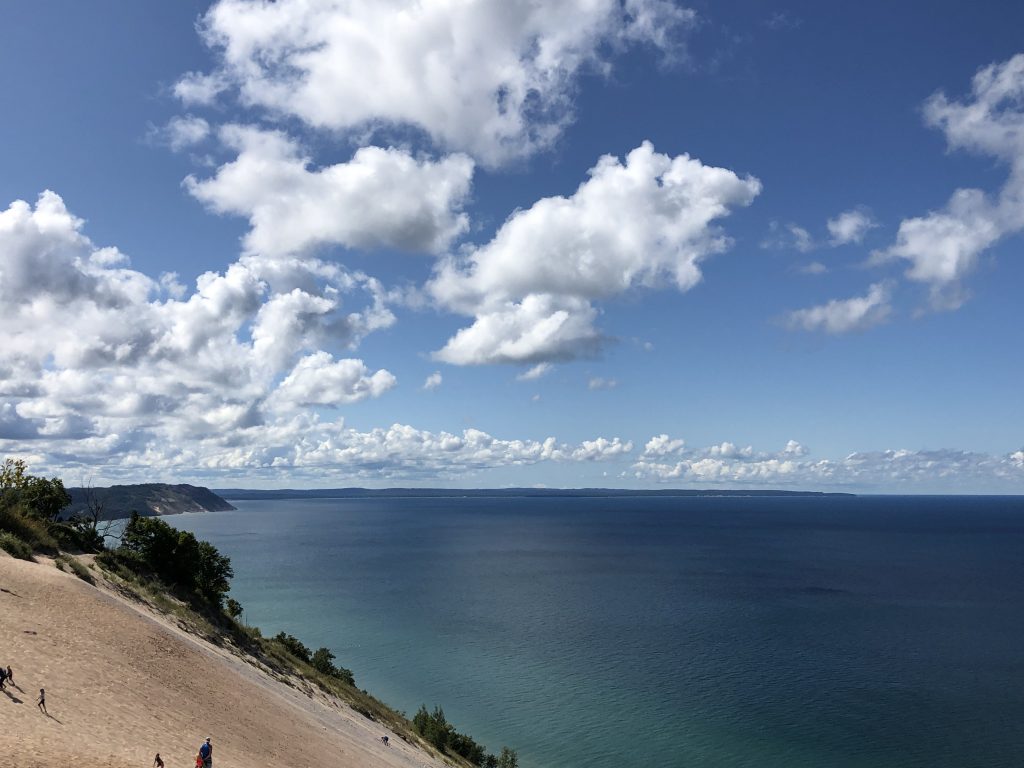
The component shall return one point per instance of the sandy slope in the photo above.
(122, 684)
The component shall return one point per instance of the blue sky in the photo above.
(354, 243)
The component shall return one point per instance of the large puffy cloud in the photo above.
(107, 371)
(843, 315)
(379, 198)
(943, 246)
(727, 465)
(319, 379)
(643, 222)
(494, 78)
(93, 347)
(538, 327)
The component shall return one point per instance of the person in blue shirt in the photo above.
(206, 752)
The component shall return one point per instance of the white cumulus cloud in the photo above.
(843, 315)
(433, 381)
(644, 222)
(663, 445)
(105, 368)
(943, 246)
(850, 226)
(601, 449)
(536, 372)
(494, 78)
(381, 198)
(319, 379)
(96, 349)
(181, 132)
(724, 465)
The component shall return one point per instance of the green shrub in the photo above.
(14, 546)
(323, 662)
(435, 728)
(233, 608)
(124, 565)
(40, 498)
(32, 532)
(75, 566)
(76, 535)
(294, 646)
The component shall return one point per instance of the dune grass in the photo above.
(14, 546)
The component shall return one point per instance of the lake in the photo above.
(643, 631)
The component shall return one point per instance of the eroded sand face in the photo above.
(123, 684)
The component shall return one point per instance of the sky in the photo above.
(489, 243)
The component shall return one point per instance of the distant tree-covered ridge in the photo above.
(243, 494)
(147, 499)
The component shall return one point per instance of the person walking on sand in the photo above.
(157, 762)
(10, 675)
(42, 702)
(206, 752)
(3, 677)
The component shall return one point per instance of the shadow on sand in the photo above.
(12, 697)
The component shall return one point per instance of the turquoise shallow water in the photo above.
(608, 633)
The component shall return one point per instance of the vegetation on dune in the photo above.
(30, 508)
(182, 575)
(71, 563)
(435, 728)
(14, 546)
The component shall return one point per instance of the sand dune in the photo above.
(123, 683)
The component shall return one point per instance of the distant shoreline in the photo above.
(243, 494)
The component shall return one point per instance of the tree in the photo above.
(213, 572)
(420, 719)
(41, 498)
(178, 557)
(12, 474)
(509, 758)
(233, 607)
(294, 646)
(89, 525)
(323, 661)
(433, 726)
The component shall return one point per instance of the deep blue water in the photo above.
(610, 633)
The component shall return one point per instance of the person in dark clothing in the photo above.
(206, 752)
(157, 762)
(42, 702)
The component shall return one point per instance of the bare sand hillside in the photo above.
(122, 683)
